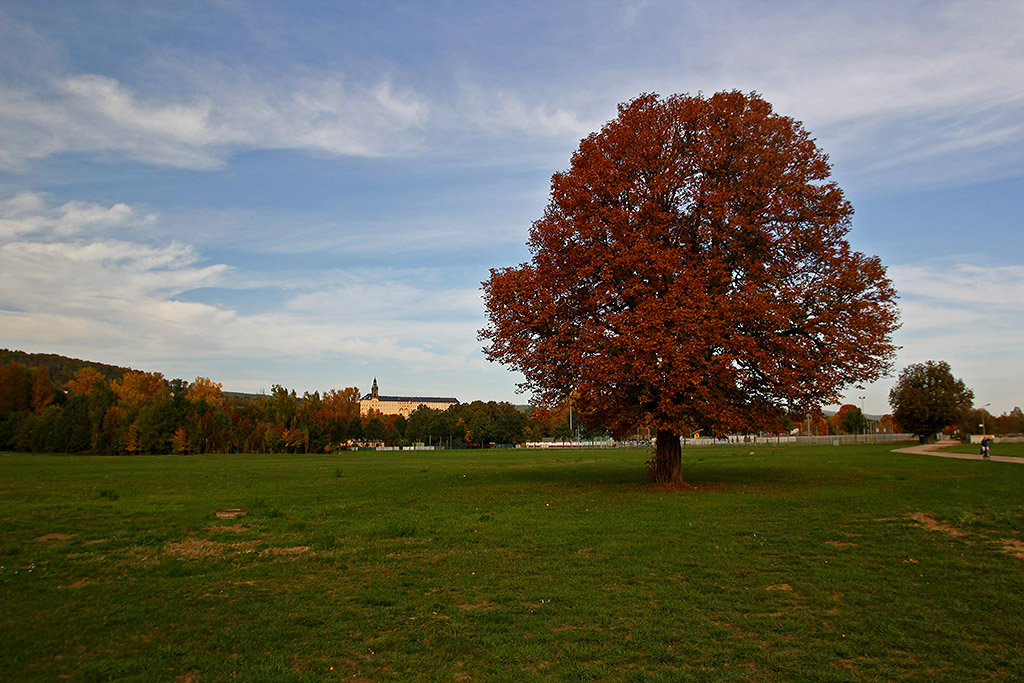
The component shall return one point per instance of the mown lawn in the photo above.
(846, 563)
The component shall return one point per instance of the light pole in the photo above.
(570, 419)
(982, 425)
(863, 420)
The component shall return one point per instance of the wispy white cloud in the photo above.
(963, 285)
(887, 86)
(96, 114)
(29, 213)
(377, 295)
(632, 12)
(899, 94)
(967, 314)
(122, 298)
(503, 112)
(98, 278)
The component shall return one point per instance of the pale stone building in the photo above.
(400, 405)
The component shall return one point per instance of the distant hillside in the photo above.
(60, 368)
(243, 395)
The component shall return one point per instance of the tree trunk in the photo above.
(666, 467)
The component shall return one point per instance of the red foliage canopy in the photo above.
(691, 270)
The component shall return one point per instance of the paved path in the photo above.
(939, 450)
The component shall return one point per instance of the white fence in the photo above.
(837, 440)
(594, 443)
(733, 440)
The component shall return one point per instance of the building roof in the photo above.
(413, 399)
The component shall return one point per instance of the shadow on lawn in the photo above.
(695, 475)
(581, 474)
(705, 475)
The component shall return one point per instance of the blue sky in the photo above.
(309, 193)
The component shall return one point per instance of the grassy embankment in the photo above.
(848, 563)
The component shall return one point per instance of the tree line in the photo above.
(67, 406)
(928, 399)
(77, 408)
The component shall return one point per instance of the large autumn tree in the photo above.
(691, 271)
(927, 398)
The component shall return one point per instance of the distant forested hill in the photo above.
(60, 368)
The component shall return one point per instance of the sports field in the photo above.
(845, 563)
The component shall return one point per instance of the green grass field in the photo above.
(846, 563)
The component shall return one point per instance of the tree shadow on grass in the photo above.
(713, 476)
(581, 474)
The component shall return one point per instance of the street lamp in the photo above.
(982, 425)
(863, 420)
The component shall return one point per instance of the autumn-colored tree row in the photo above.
(142, 412)
(850, 420)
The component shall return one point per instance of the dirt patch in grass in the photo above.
(779, 587)
(927, 521)
(136, 558)
(851, 664)
(485, 605)
(199, 548)
(55, 537)
(1013, 546)
(294, 550)
(233, 529)
(700, 486)
(194, 548)
(841, 544)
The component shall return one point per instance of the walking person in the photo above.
(984, 448)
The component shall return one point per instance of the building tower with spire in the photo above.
(400, 405)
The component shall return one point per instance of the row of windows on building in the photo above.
(400, 405)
